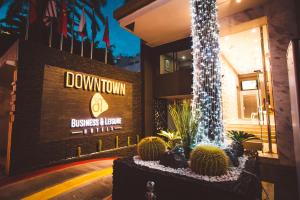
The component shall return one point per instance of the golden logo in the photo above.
(98, 105)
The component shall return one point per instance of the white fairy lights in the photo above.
(206, 72)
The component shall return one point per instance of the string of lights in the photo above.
(206, 101)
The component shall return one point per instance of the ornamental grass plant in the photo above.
(186, 124)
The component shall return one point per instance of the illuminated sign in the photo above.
(98, 104)
(75, 123)
(94, 83)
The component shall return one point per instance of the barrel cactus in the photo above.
(151, 148)
(209, 160)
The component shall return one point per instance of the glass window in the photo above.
(175, 61)
(249, 85)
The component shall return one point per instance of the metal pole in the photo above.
(266, 90)
(27, 27)
(50, 35)
(92, 49)
(106, 55)
(72, 40)
(72, 44)
(61, 41)
(81, 46)
(259, 111)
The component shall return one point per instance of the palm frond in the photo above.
(240, 136)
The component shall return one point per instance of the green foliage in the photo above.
(240, 136)
(185, 122)
(209, 160)
(15, 20)
(173, 138)
(151, 148)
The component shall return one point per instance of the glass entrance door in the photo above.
(249, 105)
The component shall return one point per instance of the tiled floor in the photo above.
(91, 180)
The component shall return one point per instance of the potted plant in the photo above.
(238, 138)
(173, 138)
(186, 124)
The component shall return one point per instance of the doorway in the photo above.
(249, 105)
(247, 93)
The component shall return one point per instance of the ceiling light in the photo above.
(238, 1)
(183, 57)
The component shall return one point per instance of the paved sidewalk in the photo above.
(90, 180)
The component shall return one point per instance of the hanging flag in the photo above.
(50, 13)
(32, 16)
(82, 24)
(32, 11)
(63, 21)
(106, 34)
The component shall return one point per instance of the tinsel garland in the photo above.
(206, 101)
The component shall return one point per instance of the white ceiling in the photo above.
(242, 51)
(164, 21)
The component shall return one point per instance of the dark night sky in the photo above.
(125, 42)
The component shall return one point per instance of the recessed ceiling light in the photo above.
(183, 57)
(238, 1)
(254, 30)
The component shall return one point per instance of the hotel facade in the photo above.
(258, 42)
(58, 107)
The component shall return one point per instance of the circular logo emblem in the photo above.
(98, 105)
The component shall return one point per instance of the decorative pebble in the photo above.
(232, 174)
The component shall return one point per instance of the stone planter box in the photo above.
(129, 182)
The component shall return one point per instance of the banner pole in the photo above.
(27, 27)
(50, 35)
(82, 46)
(106, 55)
(92, 49)
(72, 43)
(72, 40)
(61, 41)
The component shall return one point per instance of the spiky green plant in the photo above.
(151, 148)
(238, 137)
(173, 138)
(209, 160)
(185, 122)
